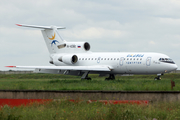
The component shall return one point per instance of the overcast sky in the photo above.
(108, 25)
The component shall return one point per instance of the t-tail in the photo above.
(56, 44)
(51, 36)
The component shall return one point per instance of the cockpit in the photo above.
(166, 60)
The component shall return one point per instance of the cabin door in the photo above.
(122, 66)
(148, 61)
(121, 61)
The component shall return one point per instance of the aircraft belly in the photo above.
(65, 72)
(135, 69)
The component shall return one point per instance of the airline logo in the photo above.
(135, 55)
(53, 41)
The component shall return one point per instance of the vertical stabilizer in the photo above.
(51, 36)
(52, 39)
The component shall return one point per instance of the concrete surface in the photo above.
(166, 96)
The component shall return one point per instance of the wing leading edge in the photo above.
(85, 68)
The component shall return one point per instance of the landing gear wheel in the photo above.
(88, 78)
(157, 78)
(111, 77)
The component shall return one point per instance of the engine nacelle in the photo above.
(74, 47)
(85, 46)
(69, 59)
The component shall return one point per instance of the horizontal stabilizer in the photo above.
(85, 68)
(40, 27)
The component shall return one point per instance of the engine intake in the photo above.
(74, 59)
(86, 46)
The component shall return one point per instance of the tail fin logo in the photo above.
(53, 37)
(53, 41)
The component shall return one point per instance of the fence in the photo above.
(176, 71)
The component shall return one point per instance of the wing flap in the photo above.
(88, 68)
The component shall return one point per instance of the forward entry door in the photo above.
(148, 61)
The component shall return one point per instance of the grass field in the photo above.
(65, 82)
(66, 110)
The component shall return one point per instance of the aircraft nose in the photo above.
(174, 67)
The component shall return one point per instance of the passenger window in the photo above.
(141, 59)
(124, 58)
(92, 59)
(134, 58)
(127, 58)
(114, 58)
(104, 58)
(162, 58)
(111, 59)
(89, 58)
(86, 59)
(101, 58)
(108, 59)
(131, 59)
(137, 58)
(95, 58)
(118, 59)
(79, 58)
(82, 58)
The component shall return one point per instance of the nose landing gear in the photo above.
(158, 77)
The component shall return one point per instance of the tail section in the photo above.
(51, 36)
(56, 44)
(53, 39)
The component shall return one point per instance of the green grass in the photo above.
(65, 110)
(65, 82)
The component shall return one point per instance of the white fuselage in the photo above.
(123, 62)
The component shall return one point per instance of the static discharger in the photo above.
(11, 66)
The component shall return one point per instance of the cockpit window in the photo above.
(166, 60)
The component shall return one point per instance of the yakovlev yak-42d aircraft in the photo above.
(75, 58)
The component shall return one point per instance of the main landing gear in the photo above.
(158, 77)
(85, 76)
(111, 77)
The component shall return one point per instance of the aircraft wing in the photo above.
(85, 68)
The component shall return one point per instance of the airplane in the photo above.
(75, 58)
